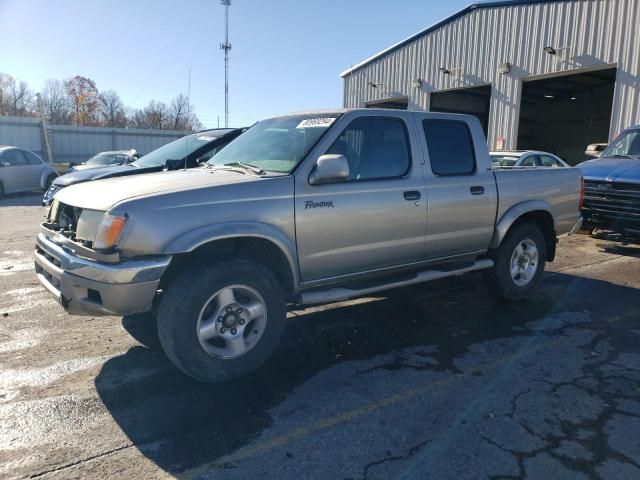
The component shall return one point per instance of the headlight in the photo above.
(109, 230)
(48, 195)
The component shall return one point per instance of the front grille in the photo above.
(612, 202)
(64, 219)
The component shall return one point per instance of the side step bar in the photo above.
(336, 294)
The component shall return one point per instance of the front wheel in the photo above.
(222, 321)
(519, 263)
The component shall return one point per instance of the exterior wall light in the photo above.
(561, 53)
(504, 68)
(445, 70)
(417, 83)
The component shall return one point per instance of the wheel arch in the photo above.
(44, 176)
(534, 211)
(260, 243)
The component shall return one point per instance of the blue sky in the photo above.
(287, 55)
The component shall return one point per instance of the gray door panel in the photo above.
(462, 207)
(362, 224)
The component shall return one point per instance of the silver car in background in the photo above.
(23, 171)
(107, 159)
(526, 158)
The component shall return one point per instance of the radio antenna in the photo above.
(188, 117)
(226, 46)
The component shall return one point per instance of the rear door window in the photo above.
(548, 161)
(32, 159)
(450, 147)
(530, 161)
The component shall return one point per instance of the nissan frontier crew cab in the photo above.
(301, 209)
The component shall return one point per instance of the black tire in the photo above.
(185, 297)
(50, 180)
(499, 279)
(1, 190)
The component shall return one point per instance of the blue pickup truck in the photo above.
(612, 187)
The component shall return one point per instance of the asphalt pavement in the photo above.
(436, 381)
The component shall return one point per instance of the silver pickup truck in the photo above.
(301, 209)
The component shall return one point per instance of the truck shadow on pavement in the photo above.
(180, 424)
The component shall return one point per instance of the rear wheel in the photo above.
(222, 321)
(1, 190)
(519, 263)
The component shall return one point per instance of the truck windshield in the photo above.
(277, 144)
(107, 159)
(176, 150)
(626, 145)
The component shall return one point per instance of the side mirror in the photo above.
(173, 164)
(330, 168)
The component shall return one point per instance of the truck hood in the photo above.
(611, 169)
(104, 194)
(79, 176)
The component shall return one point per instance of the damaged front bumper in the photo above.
(93, 286)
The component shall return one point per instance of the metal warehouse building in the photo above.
(553, 75)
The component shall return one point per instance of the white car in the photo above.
(525, 158)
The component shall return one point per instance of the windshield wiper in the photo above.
(246, 166)
(626, 155)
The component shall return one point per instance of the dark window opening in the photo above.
(450, 147)
(471, 101)
(565, 114)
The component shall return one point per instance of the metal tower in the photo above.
(226, 46)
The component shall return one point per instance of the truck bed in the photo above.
(557, 187)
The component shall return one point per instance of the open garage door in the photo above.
(564, 114)
(472, 101)
(397, 103)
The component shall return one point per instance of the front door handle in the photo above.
(412, 195)
(477, 190)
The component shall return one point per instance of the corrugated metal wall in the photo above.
(77, 144)
(599, 33)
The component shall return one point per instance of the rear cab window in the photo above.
(450, 147)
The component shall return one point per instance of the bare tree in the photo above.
(57, 108)
(179, 111)
(194, 123)
(182, 116)
(4, 93)
(83, 94)
(78, 101)
(16, 98)
(155, 115)
(112, 109)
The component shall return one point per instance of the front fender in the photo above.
(189, 241)
(514, 213)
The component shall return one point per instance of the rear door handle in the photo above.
(477, 190)
(412, 195)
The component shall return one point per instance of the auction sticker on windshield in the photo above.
(316, 122)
